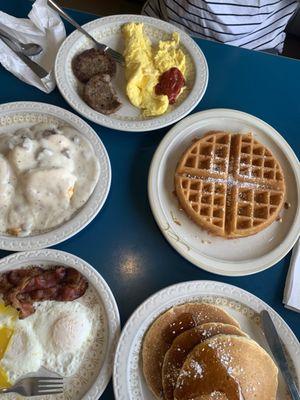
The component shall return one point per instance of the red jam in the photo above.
(170, 84)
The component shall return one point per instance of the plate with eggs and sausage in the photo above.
(164, 76)
(57, 317)
(55, 175)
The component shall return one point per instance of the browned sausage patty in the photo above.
(92, 62)
(100, 95)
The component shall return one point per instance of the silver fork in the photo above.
(118, 57)
(36, 386)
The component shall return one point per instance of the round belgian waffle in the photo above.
(230, 184)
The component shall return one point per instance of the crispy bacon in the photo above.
(12, 278)
(46, 279)
(20, 288)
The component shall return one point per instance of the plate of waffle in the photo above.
(201, 340)
(224, 188)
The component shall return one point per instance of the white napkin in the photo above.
(291, 297)
(44, 27)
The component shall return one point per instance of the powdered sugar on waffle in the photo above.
(230, 182)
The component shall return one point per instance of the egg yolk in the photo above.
(4, 381)
(5, 336)
(8, 311)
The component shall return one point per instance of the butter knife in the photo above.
(278, 353)
(36, 68)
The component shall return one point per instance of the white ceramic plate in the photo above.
(129, 383)
(225, 257)
(91, 380)
(23, 114)
(107, 30)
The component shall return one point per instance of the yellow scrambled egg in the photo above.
(145, 63)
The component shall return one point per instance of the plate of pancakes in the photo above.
(201, 340)
(121, 114)
(63, 320)
(224, 188)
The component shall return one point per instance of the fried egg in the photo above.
(56, 337)
(8, 315)
(24, 353)
(65, 330)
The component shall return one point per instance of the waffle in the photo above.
(230, 184)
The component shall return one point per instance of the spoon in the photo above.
(28, 49)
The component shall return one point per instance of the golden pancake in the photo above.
(159, 337)
(213, 396)
(235, 366)
(183, 344)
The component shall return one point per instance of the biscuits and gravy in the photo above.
(47, 173)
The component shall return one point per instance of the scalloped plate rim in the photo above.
(132, 126)
(182, 291)
(27, 243)
(208, 263)
(48, 255)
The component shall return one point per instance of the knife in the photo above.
(36, 68)
(278, 353)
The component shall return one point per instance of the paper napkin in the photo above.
(43, 26)
(291, 297)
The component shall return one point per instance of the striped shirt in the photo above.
(253, 24)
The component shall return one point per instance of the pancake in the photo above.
(213, 396)
(235, 366)
(159, 338)
(183, 344)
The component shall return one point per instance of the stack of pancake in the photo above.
(197, 351)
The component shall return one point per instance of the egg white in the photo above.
(65, 330)
(57, 337)
(24, 353)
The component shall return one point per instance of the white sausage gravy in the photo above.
(47, 173)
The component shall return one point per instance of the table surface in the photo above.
(123, 242)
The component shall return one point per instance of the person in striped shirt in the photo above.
(252, 24)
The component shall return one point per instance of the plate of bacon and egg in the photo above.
(57, 316)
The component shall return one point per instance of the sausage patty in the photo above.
(100, 95)
(92, 62)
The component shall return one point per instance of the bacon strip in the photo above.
(20, 288)
(12, 278)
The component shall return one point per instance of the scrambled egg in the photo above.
(145, 63)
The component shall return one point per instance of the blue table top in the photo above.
(125, 232)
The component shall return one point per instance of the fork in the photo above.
(118, 57)
(36, 386)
